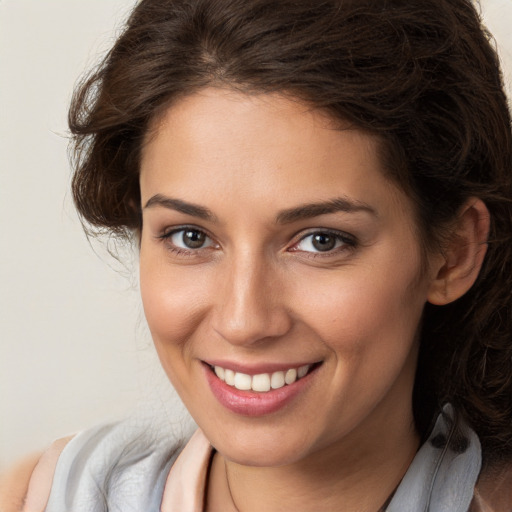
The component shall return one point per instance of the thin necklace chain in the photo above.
(229, 486)
(381, 509)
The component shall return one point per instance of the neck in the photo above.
(338, 477)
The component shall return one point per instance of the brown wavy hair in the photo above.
(422, 75)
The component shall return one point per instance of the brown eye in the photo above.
(323, 242)
(188, 238)
(193, 239)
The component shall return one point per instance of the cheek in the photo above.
(363, 310)
(369, 325)
(174, 307)
(173, 301)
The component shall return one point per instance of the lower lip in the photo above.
(251, 403)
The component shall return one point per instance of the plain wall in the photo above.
(74, 348)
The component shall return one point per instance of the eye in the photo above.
(323, 241)
(188, 238)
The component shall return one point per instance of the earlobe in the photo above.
(458, 267)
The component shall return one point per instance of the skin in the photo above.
(258, 292)
(14, 484)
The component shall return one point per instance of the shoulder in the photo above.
(493, 492)
(27, 485)
(118, 464)
(14, 484)
(114, 466)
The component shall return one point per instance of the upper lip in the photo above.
(256, 368)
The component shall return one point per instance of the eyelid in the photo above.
(169, 232)
(348, 241)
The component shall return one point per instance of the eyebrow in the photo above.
(305, 211)
(181, 206)
(308, 211)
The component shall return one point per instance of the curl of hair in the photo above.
(421, 74)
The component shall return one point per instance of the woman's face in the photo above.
(272, 244)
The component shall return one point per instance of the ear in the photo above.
(456, 269)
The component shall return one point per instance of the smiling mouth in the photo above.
(262, 382)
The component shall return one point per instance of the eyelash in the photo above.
(180, 251)
(348, 242)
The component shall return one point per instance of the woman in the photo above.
(321, 192)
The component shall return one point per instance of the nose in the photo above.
(251, 306)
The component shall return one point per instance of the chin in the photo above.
(260, 456)
(261, 447)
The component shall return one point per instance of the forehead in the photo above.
(260, 147)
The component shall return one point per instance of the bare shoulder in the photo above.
(26, 486)
(14, 484)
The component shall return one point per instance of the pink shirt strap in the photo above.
(186, 483)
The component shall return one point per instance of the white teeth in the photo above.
(277, 380)
(243, 381)
(291, 376)
(301, 372)
(262, 382)
(229, 377)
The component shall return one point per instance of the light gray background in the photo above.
(74, 348)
